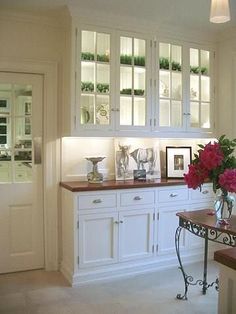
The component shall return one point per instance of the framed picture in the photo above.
(177, 161)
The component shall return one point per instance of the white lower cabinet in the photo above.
(168, 223)
(98, 239)
(135, 234)
(114, 233)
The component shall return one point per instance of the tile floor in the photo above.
(40, 292)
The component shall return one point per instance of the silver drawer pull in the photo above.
(173, 194)
(121, 221)
(205, 192)
(137, 198)
(116, 222)
(97, 201)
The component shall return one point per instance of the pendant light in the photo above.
(219, 11)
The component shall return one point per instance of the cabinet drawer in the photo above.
(173, 195)
(137, 198)
(96, 201)
(206, 193)
(4, 165)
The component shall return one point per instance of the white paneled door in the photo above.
(21, 177)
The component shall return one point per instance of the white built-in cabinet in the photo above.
(130, 83)
(117, 232)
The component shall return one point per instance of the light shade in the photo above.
(219, 11)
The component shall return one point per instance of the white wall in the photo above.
(75, 149)
(226, 91)
(39, 38)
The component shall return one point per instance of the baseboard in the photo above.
(115, 271)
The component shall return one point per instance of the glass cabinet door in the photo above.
(200, 96)
(132, 98)
(170, 86)
(94, 104)
(15, 133)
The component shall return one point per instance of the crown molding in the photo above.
(141, 25)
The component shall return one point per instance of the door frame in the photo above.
(50, 149)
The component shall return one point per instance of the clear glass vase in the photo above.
(223, 206)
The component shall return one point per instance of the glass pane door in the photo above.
(132, 81)
(15, 133)
(170, 85)
(95, 78)
(200, 88)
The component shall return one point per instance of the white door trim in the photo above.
(51, 149)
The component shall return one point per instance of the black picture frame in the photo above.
(177, 160)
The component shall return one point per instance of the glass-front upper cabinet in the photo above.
(95, 79)
(200, 89)
(170, 113)
(132, 82)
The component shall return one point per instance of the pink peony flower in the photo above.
(196, 175)
(227, 180)
(211, 156)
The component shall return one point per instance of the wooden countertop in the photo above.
(83, 186)
(226, 257)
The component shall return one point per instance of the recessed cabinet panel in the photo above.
(136, 234)
(168, 219)
(98, 238)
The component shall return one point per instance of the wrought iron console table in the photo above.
(202, 223)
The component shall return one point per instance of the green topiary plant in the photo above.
(87, 56)
(164, 63)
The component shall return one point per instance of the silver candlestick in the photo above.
(94, 176)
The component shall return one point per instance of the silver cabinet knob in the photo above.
(173, 194)
(205, 192)
(97, 201)
(121, 221)
(137, 198)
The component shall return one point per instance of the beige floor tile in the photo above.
(47, 296)
(12, 302)
(39, 292)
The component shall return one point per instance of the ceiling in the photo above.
(192, 14)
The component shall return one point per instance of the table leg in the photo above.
(186, 284)
(204, 286)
